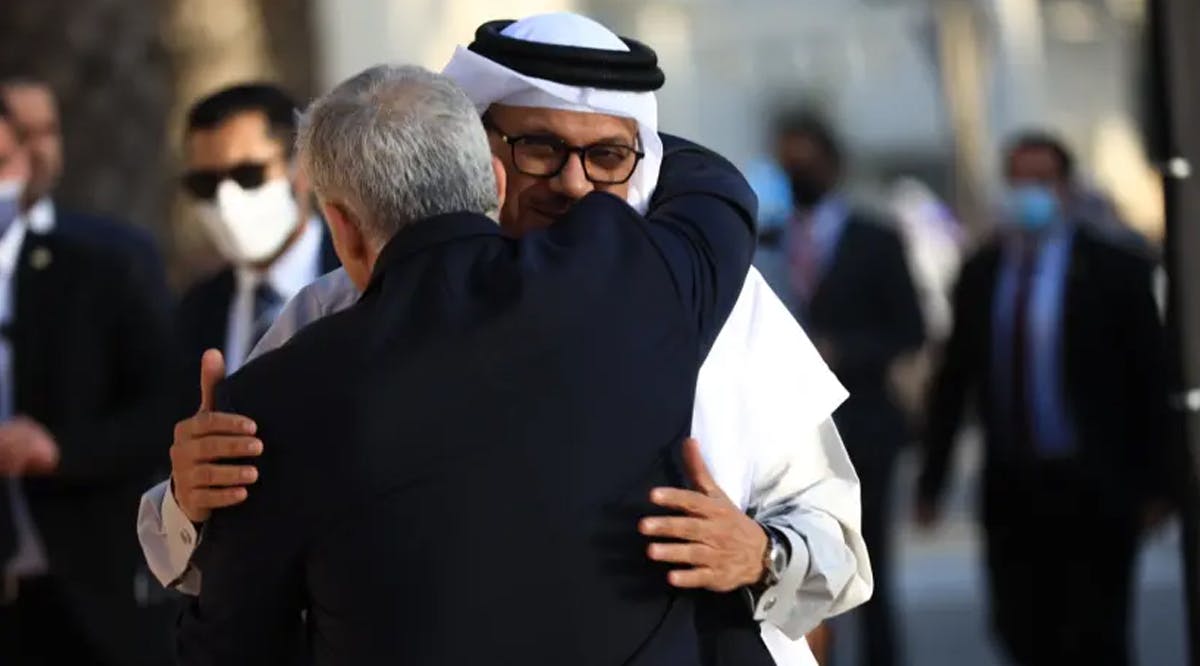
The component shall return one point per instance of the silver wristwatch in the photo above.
(775, 559)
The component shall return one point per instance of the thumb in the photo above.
(697, 470)
(212, 371)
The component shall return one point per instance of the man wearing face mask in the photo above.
(1057, 336)
(84, 358)
(843, 271)
(255, 207)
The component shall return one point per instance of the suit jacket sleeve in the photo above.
(249, 608)
(873, 351)
(1156, 447)
(702, 217)
(128, 440)
(701, 223)
(952, 382)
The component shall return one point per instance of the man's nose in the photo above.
(572, 180)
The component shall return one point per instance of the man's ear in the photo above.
(348, 241)
(301, 185)
(501, 181)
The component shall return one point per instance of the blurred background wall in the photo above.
(925, 88)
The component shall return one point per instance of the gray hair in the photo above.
(398, 144)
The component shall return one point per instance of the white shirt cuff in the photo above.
(776, 603)
(167, 537)
(182, 536)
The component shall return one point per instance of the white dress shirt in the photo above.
(291, 272)
(30, 558)
(763, 410)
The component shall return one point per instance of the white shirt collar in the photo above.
(293, 270)
(42, 216)
(10, 247)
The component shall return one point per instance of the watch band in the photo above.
(774, 558)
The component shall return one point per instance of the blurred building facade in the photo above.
(922, 88)
(889, 72)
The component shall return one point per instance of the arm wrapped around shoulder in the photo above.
(703, 216)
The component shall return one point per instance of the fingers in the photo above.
(693, 578)
(202, 476)
(214, 498)
(685, 529)
(212, 371)
(687, 501)
(695, 554)
(204, 424)
(196, 450)
(697, 470)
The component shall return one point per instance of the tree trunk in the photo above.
(107, 62)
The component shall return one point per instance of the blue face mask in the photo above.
(1032, 207)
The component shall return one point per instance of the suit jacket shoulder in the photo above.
(1122, 257)
(136, 243)
(216, 287)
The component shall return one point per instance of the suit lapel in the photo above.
(37, 289)
(213, 319)
(833, 265)
(1075, 300)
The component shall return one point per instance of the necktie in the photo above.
(804, 259)
(1022, 423)
(266, 306)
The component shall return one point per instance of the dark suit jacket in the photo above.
(459, 461)
(866, 307)
(1113, 370)
(134, 243)
(203, 313)
(91, 362)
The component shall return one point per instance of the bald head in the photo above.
(34, 111)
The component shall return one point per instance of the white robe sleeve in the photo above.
(764, 408)
(167, 537)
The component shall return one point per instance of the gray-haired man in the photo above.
(498, 407)
(763, 402)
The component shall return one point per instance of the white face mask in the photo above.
(10, 201)
(250, 226)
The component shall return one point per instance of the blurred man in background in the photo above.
(34, 109)
(845, 275)
(1057, 336)
(84, 374)
(255, 207)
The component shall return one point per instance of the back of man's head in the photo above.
(395, 145)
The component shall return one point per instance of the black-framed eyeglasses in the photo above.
(545, 156)
(203, 183)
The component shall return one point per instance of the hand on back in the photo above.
(202, 479)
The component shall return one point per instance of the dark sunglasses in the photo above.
(202, 184)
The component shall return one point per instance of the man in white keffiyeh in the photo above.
(774, 506)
